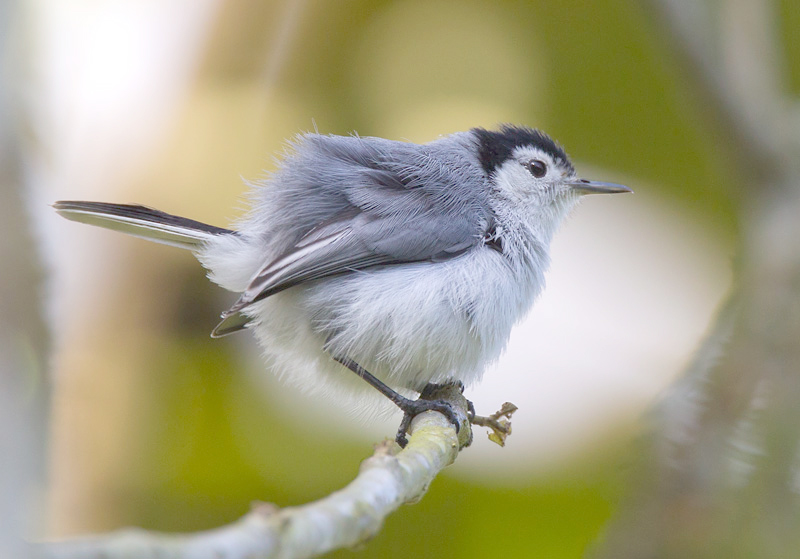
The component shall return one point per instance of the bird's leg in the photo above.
(411, 408)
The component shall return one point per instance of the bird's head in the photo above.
(533, 174)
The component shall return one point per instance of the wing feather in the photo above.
(425, 209)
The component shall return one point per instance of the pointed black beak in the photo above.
(583, 186)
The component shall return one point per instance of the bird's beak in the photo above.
(582, 186)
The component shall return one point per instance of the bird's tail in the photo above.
(140, 221)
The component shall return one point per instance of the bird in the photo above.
(406, 263)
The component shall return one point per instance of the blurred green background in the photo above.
(155, 425)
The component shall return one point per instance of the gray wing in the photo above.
(359, 243)
(394, 214)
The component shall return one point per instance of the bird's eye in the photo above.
(536, 168)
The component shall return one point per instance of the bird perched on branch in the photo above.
(407, 264)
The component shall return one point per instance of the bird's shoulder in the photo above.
(400, 197)
(448, 161)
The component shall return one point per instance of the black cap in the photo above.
(494, 148)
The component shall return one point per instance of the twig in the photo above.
(501, 428)
(352, 515)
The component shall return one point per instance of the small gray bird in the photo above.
(406, 263)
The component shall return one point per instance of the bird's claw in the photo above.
(413, 408)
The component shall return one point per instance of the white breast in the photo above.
(408, 325)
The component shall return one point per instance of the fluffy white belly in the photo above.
(408, 325)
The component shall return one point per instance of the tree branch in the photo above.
(352, 515)
(741, 92)
(719, 473)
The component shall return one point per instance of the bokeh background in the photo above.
(177, 105)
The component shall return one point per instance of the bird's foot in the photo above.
(434, 397)
(428, 401)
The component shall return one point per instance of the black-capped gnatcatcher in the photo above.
(406, 263)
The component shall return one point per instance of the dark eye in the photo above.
(536, 168)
